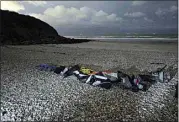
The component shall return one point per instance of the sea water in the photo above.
(126, 38)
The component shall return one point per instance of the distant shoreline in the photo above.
(112, 39)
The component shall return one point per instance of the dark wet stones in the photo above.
(4, 112)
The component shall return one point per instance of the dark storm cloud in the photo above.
(97, 15)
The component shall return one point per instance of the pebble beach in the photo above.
(28, 94)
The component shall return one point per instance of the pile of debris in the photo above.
(106, 79)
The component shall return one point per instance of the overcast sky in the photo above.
(75, 17)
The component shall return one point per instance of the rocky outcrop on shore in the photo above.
(19, 29)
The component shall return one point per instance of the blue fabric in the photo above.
(46, 67)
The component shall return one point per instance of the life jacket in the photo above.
(86, 70)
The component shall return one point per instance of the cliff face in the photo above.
(21, 29)
(24, 29)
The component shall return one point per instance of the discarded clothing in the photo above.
(112, 77)
(70, 71)
(46, 67)
(105, 79)
(58, 70)
(135, 83)
(80, 76)
(161, 75)
(97, 80)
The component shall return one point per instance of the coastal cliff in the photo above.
(17, 29)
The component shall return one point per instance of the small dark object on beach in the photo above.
(100, 73)
(148, 78)
(161, 69)
(76, 67)
(106, 85)
(4, 112)
(58, 70)
(71, 70)
(145, 87)
(156, 63)
(135, 89)
(176, 92)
